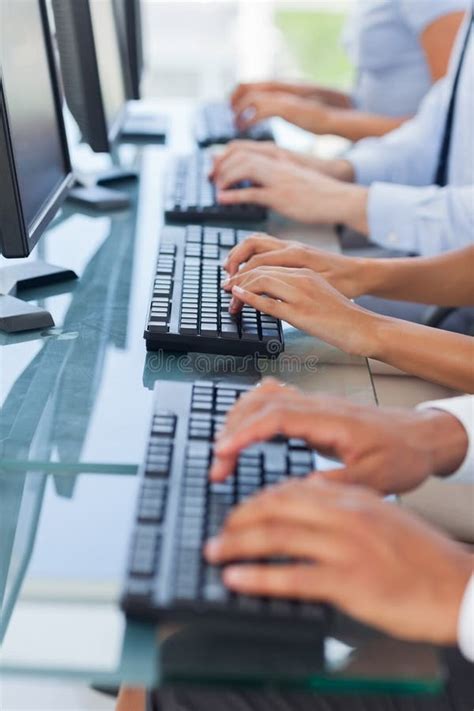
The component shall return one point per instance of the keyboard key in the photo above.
(209, 329)
(189, 329)
(301, 457)
(158, 326)
(275, 458)
(213, 589)
(230, 332)
(200, 508)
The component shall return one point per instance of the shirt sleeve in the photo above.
(408, 155)
(463, 409)
(466, 622)
(424, 220)
(418, 14)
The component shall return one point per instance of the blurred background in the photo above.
(200, 49)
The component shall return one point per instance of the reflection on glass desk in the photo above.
(63, 546)
(66, 393)
(63, 551)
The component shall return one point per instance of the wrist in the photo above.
(335, 124)
(447, 439)
(340, 169)
(361, 333)
(364, 275)
(377, 332)
(293, 108)
(451, 607)
(353, 202)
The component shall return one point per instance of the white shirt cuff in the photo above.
(365, 159)
(466, 622)
(400, 217)
(462, 408)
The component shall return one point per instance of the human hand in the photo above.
(254, 106)
(351, 549)
(308, 302)
(270, 149)
(270, 87)
(131, 699)
(295, 191)
(322, 94)
(387, 449)
(346, 274)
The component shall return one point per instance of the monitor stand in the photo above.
(146, 126)
(90, 191)
(17, 315)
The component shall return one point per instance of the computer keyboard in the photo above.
(191, 196)
(168, 578)
(215, 124)
(189, 310)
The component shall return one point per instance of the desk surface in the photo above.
(75, 409)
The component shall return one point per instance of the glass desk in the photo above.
(77, 398)
(75, 406)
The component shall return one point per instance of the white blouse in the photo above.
(382, 38)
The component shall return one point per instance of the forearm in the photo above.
(337, 168)
(445, 437)
(351, 208)
(338, 120)
(336, 202)
(432, 354)
(325, 95)
(331, 97)
(445, 280)
(355, 125)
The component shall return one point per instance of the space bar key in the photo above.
(275, 457)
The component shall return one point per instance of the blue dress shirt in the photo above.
(382, 38)
(406, 210)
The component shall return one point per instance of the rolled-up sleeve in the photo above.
(466, 622)
(426, 220)
(419, 14)
(408, 155)
(462, 408)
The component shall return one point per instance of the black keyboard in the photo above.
(179, 508)
(191, 196)
(189, 310)
(215, 124)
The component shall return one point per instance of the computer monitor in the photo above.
(128, 15)
(96, 75)
(35, 170)
(91, 68)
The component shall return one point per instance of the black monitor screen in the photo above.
(108, 58)
(129, 23)
(34, 125)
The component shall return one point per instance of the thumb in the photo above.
(355, 475)
(257, 196)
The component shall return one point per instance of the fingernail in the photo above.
(238, 290)
(222, 444)
(211, 548)
(224, 283)
(234, 576)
